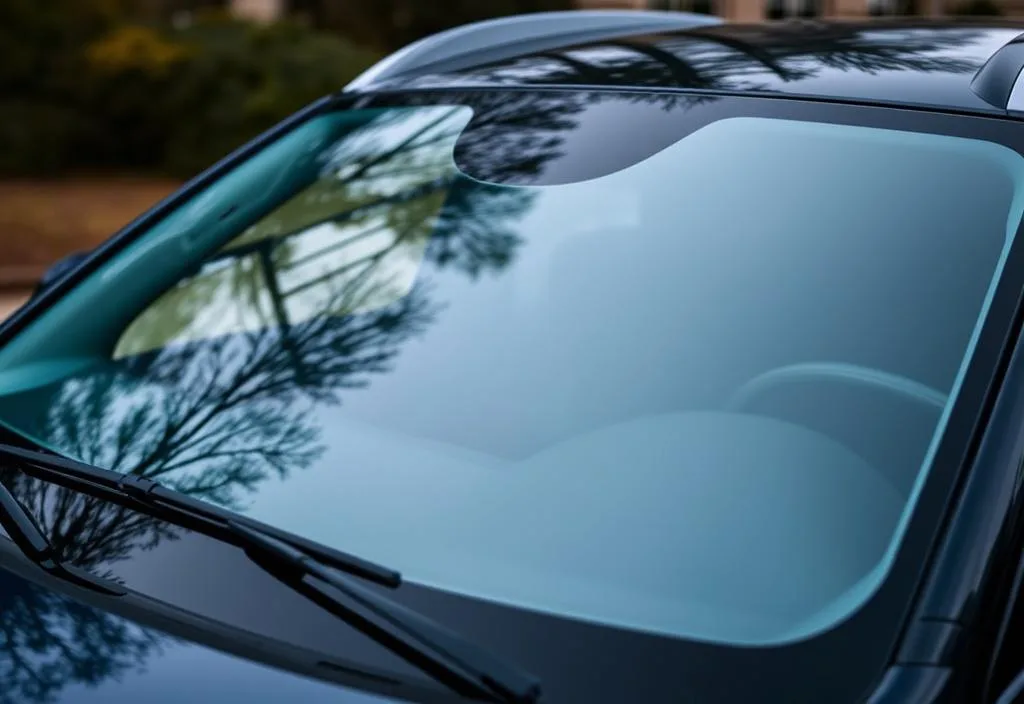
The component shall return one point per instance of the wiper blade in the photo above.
(182, 510)
(302, 564)
(463, 666)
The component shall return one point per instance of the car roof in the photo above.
(912, 62)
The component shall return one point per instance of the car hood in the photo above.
(57, 650)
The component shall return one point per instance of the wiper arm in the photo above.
(30, 539)
(446, 656)
(158, 501)
(302, 564)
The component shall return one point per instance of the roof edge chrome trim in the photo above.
(507, 37)
(996, 81)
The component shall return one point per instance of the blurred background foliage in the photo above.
(106, 105)
(169, 86)
(96, 85)
(386, 25)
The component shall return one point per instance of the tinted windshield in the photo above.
(656, 365)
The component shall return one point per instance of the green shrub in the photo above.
(36, 138)
(241, 79)
(139, 98)
(391, 24)
(43, 80)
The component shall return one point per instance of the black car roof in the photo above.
(929, 63)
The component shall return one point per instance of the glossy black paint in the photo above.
(994, 81)
(62, 647)
(911, 683)
(953, 636)
(906, 62)
(1007, 635)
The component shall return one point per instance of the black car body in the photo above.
(558, 111)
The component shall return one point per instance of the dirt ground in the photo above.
(41, 221)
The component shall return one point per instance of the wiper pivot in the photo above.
(28, 536)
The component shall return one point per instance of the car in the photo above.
(572, 357)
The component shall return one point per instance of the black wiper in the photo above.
(304, 565)
(32, 542)
(448, 657)
(158, 501)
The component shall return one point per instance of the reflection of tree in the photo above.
(736, 57)
(48, 640)
(85, 531)
(211, 420)
(214, 417)
(512, 136)
(867, 48)
(469, 236)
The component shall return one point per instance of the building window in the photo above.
(892, 7)
(782, 9)
(704, 7)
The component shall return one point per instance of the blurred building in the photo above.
(736, 10)
(757, 10)
(258, 10)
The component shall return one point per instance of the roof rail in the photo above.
(507, 37)
(999, 81)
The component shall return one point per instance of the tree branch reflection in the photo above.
(48, 641)
(736, 57)
(309, 305)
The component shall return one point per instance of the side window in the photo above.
(704, 7)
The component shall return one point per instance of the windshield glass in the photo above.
(685, 376)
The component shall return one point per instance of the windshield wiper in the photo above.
(155, 500)
(302, 564)
(33, 543)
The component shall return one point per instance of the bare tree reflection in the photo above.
(514, 135)
(738, 57)
(212, 421)
(48, 641)
(309, 312)
(858, 47)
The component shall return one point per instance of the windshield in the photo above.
(662, 366)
